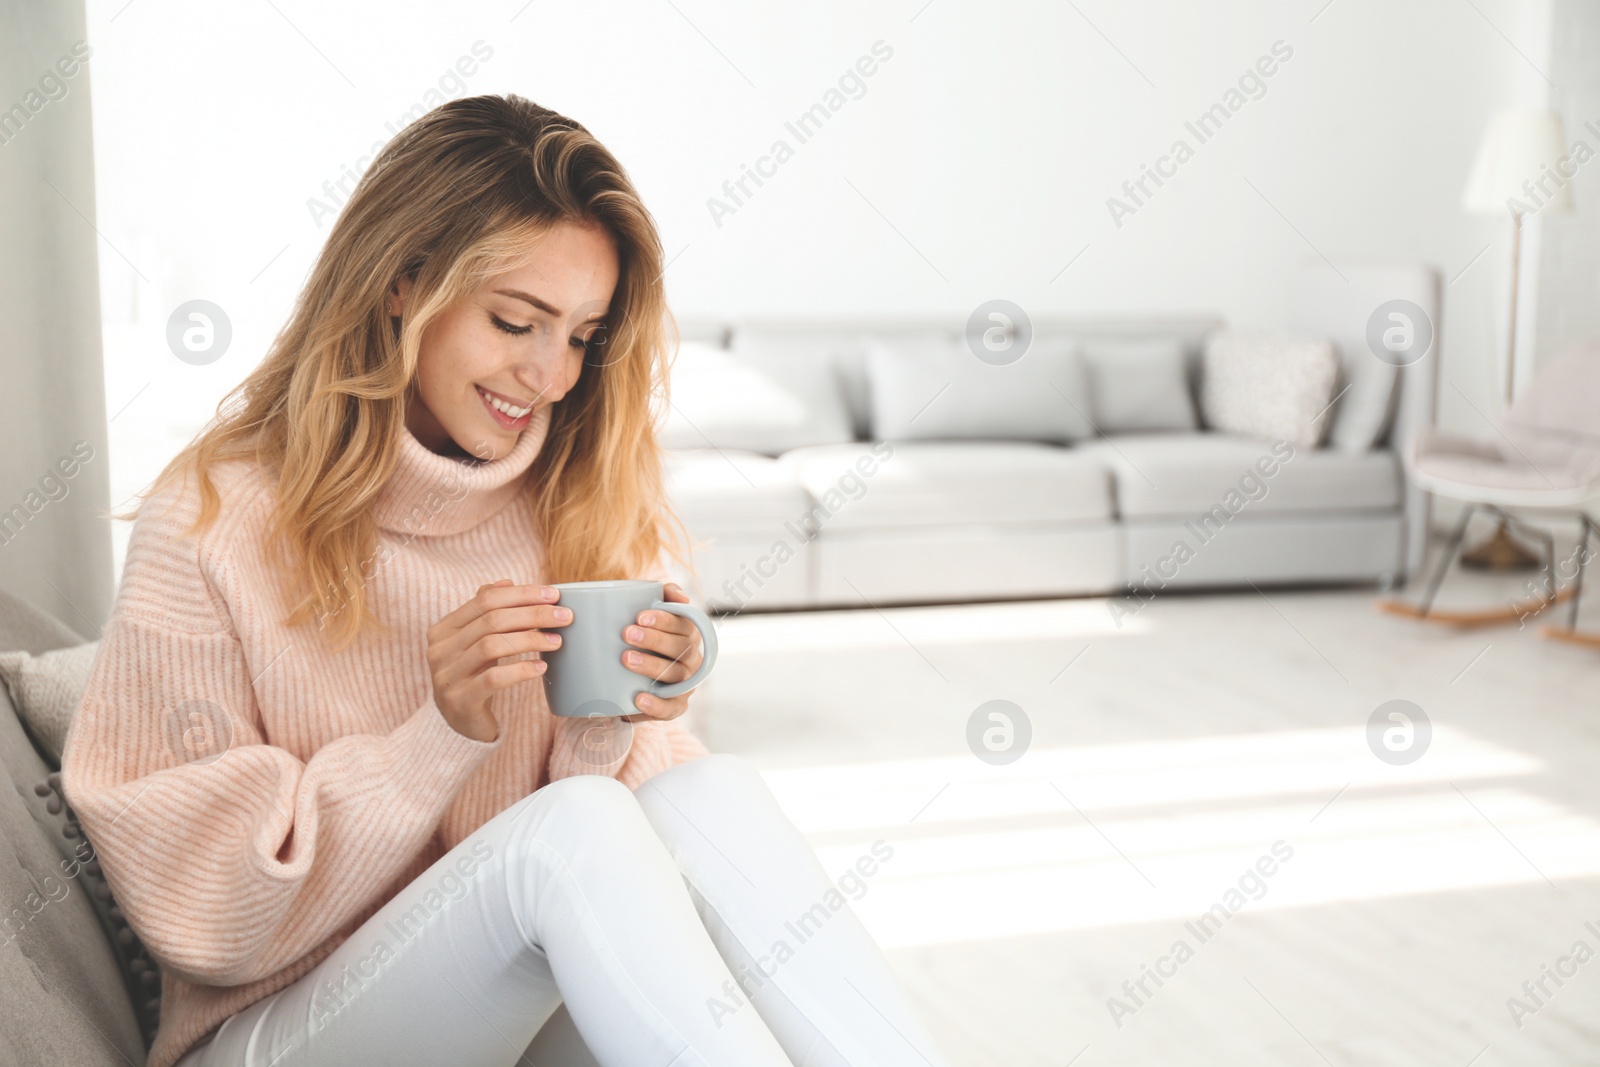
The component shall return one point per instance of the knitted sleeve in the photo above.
(230, 857)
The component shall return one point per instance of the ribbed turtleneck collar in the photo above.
(429, 495)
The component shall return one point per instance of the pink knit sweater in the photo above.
(254, 796)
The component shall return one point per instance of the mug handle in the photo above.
(708, 634)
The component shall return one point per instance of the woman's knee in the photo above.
(587, 816)
(589, 807)
(595, 789)
(716, 776)
(592, 797)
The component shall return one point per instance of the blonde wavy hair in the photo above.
(456, 197)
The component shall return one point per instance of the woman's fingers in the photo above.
(500, 620)
(654, 707)
(675, 643)
(489, 682)
(659, 668)
(509, 620)
(496, 595)
(490, 650)
(668, 643)
(669, 636)
(665, 621)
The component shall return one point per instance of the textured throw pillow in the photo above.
(726, 399)
(1139, 385)
(1270, 385)
(45, 690)
(933, 387)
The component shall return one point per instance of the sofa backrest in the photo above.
(1328, 302)
(840, 344)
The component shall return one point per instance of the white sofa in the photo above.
(795, 500)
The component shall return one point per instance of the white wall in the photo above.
(1569, 259)
(977, 164)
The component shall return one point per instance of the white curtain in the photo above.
(55, 536)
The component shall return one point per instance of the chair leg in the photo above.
(1534, 533)
(1549, 543)
(1570, 633)
(1577, 579)
(1452, 547)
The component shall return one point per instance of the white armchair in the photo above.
(1544, 456)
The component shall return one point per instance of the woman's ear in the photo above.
(398, 295)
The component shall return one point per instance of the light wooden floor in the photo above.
(1167, 756)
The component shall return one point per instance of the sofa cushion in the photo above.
(938, 483)
(842, 351)
(1139, 384)
(729, 491)
(1364, 401)
(1186, 475)
(755, 399)
(932, 386)
(1270, 385)
(45, 690)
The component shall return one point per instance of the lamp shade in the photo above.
(1520, 147)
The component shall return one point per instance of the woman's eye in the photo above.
(507, 327)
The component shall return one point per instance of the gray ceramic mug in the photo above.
(586, 677)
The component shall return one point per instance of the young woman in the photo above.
(315, 757)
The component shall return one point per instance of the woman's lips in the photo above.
(499, 416)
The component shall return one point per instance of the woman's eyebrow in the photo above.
(535, 301)
(540, 304)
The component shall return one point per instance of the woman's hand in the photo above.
(465, 647)
(676, 646)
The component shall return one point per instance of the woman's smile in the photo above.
(505, 411)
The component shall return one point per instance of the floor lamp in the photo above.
(1518, 171)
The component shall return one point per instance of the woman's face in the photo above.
(518, 341)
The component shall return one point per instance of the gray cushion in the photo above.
(65, 1001)
(842, 349)
(760, 397)
(1140, 384)
(1186, 475)
(1366, 398)
(932, 387)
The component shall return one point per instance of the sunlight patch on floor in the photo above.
(1136, 833)
(1310, 765)
(960, 625)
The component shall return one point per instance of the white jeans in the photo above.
(635, 911)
